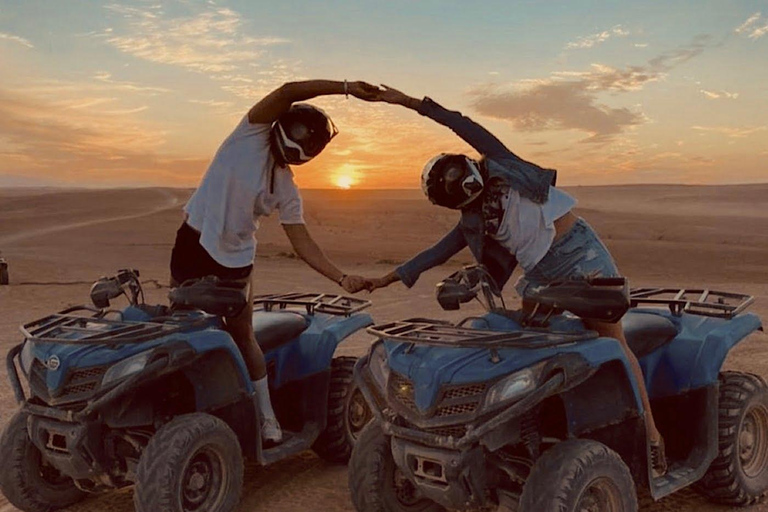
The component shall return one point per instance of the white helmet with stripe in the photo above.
(301, 133)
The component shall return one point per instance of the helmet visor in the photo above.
(461, 182)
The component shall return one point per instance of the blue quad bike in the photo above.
(530, 412)
(160, 397)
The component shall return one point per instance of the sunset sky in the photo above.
(141, 93)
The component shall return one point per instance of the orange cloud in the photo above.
(67, 143)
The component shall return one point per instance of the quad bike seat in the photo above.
(645, 332)
(275, 328)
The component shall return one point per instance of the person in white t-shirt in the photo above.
(249, 178)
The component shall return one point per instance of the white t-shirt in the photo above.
(235, 192)
(527, 228)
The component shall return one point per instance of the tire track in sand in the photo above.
(171, 201)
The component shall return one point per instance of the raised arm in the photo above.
(473, 134)
(278, 101)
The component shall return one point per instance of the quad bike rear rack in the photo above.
(328, 303)
(432, 332)
(703, 302)
(84, 324)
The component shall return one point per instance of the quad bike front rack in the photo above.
(703, 302)
(430, 332)
(329, 303)
(84, 324)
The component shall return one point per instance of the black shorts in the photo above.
(190, 260)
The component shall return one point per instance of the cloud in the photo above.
(120, 85)
(100, 83)
(755, 27)
(598, 38)
(70, 141)
(16, 39)
(209, 40)
(716, 95)
(729, 131)
(571, 100)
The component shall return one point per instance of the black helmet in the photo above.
(452, 180)
(302, 132)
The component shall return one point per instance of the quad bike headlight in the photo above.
(512, 388)
(26, 357)
(127, 367)
(377, 364)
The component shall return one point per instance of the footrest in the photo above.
(293, 443)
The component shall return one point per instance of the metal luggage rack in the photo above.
(437, 333)
(83, 324)
(329, 303)
(701, 302)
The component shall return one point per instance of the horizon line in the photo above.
(364, 189)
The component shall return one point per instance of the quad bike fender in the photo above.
(717, 345)
(608, 396)
(216, 341)
(694, 358)
(314, 350)
(607, 357)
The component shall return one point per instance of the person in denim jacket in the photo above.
(511, 213)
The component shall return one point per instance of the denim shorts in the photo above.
(578, 254)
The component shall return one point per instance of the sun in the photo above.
(344, 181)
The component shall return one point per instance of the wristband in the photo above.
(341, 279)
(346, 89)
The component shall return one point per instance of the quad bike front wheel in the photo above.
(739, 474)
(192, 464)
(579, 475)
(376, 483)
(348, 413)
(27, 480)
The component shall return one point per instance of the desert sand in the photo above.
(59, 241)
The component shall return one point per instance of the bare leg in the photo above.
(240, 328)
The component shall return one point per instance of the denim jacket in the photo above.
(528, 179)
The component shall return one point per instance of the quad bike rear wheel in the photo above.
(27, 480)
(376, 483)
(192, 464)
(579, 475)
(348, 413)
(739, 474)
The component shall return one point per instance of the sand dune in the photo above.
(661, 235)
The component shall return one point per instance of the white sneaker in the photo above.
(270, 430)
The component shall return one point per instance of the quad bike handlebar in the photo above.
(601, 298)
(108, 288)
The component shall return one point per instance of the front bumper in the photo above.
(454, 479)
(75, 449)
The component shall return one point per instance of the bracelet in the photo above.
(346, 89)
(341, 279)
